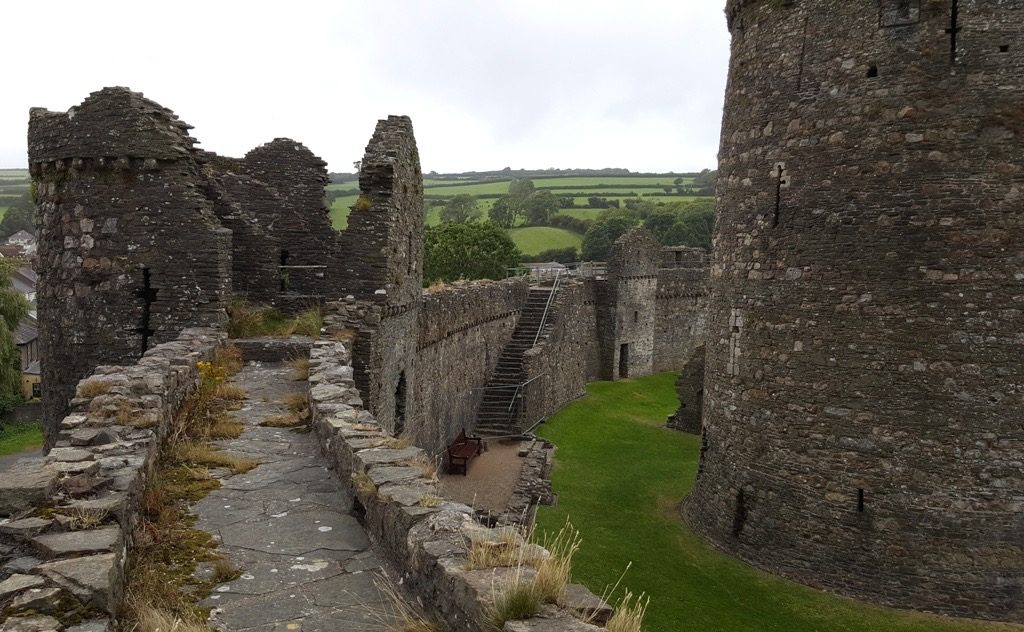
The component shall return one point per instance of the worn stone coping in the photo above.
(273, 349)
(425, 535)
(73, 515)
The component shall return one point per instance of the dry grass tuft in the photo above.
(150, 619)
(343, 335)
(86, 518)
(225, 571)
(288, 420)
(229, 392)
(364, 485)
(93, 388)
(399, 443)
(629, 616)
(430, 500)
(301, 366)
(230, 357)
(296, 402)
(395, 614)
(426, 465)
(516, 599)
(201, 454)
(486, 551)
(554, 571)
(224, 427)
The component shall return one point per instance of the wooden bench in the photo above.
(462, 451)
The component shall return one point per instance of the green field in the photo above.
(532, 240)
(19, 437)
(620, 476)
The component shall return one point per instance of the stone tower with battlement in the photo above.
(863, 425)
(130, 250)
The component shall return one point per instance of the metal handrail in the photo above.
(547, 307)
(518, 387)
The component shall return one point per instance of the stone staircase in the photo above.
(499, 413)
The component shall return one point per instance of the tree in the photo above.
(460, 209)
(506, 211)
(13, 307)
(521, 188)
(468, 251)
(18, 217)
(539, 208)
(597, 243)
(677, 181)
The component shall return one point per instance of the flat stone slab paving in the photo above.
(307, 564)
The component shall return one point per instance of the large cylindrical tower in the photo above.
(863, 423)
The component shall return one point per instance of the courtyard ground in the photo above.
(620, 476)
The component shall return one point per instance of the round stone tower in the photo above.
(863, 425)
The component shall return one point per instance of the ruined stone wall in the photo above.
(627, 307)
(865, 367)
(239, 201)
(567, 356)
(426, 537)
(463, 329)
(98, 467)
(680, 315)
(299, 220)
(130, 251)
(383, 244)
(690, 389)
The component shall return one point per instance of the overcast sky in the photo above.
(488, 83)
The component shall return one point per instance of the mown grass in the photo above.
(620, 476)
(20, 437)
(533, 240)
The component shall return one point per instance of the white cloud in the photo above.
(488, 84)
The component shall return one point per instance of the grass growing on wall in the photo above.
(19, 437)
(620, 476)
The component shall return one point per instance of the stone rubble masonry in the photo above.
(864, 397)
(425, 536)
(300, 223)
(130, 251)
(102, 454)
(680, 320)
(690, 388)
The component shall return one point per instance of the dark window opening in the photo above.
(703, 450)
(872, 71)
(148, 295)
(735, 329)
(679, 256)
(954, 29)
(636, 317)
(37, 390)
(860, 500)
(739, 518)
(400, 405)
(283, 272)
(623, 360)
(778, 195)
(1005, 48)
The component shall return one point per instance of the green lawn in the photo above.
(532, 240)
(3, 211)
(620, 475)
(19, 437)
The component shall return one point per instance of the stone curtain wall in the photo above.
(568, 354)
(425, 536)
(681, 308)
(300, 222)
(103, 452)
(463, 329)
(130, 251)
(863, 399)
(690, 388)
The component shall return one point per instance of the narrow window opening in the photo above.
(679, 256)
(1005, 48)
(148, 295)
(954, 29)
(860, 500)
(623, 360)
(778, 195)
(703, 450)
(400, 405)
(283, 273)
(872, 71)
(636, 317)
(739, 518)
